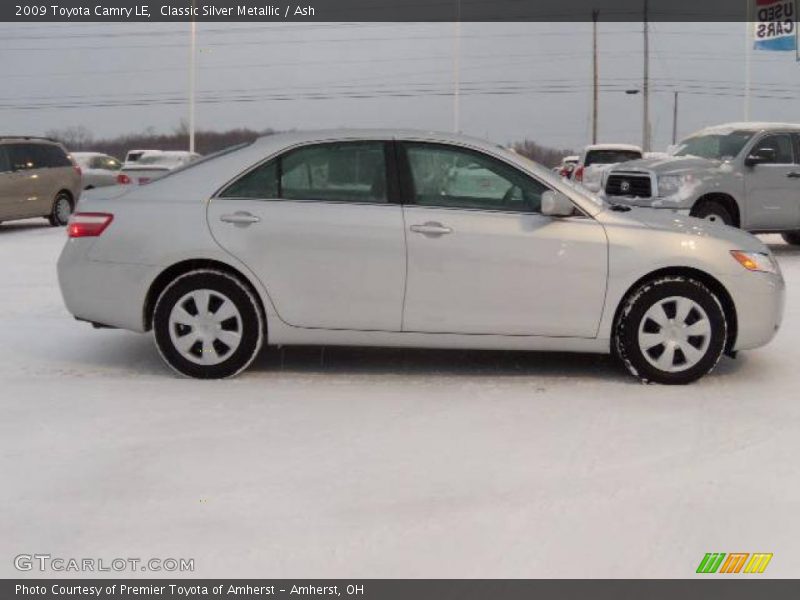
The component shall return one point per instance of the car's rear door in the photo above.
(318, 227)
(482, 259)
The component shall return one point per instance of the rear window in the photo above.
(607, 157)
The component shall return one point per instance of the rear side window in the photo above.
(336, 172)
(341, 172)
(5, 163)
(607, 157)
(261, 182)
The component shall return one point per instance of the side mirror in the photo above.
(760, 156)
(556, 204)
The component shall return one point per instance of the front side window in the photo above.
(781, 145)
(717, 146)
(23, 157)
(336, 172)
(449, 177)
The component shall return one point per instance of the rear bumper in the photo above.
(111, 294)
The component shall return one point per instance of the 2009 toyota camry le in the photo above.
(388, 238)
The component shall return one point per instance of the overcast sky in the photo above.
(518, 80)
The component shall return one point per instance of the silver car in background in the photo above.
(152, 165)
(98, 169)
(388, 238)
(741, 174)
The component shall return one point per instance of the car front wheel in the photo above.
(671, 330)
(208, 325)
(61, 210)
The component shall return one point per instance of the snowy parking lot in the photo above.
(384, 463)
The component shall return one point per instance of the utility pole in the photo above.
(595, 16)
(675, 118)
(646, 85)
(192, 82)
(457, 70)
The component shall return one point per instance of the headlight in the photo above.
(669, 185)
(755, 261)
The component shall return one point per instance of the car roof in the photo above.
(746, 126)
(320, 135)
(27, 138)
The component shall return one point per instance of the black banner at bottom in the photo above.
(399, 589)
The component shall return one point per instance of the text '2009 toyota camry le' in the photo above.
(387, 238)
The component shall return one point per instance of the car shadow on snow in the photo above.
(12, 227)
(412, 361)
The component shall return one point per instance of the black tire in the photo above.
(791, 237)
(712, 210)
(61, 210)
(632, 317)
(249, 325)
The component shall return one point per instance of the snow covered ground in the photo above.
(384, 463)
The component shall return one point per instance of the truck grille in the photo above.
(637, 186)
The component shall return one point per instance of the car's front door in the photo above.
(773, 188)
(318, 227)
(482, 259)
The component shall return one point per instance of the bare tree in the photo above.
(549, 157)
(77, 137)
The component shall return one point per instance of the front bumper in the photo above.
(759, 300)
(111, 294)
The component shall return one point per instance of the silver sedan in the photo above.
(387, 238)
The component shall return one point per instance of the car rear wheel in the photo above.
(671, 330)
(62, 209)
(791, 237)
(713, 211)
(208, 325)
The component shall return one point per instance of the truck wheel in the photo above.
(791, 237)
(671, 330)
(713, 211)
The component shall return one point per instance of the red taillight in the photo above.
(88, 224)
(78, 170)
(123, 179)
(578, 176)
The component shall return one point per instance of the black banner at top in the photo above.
(395, 10)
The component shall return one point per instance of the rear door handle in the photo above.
(240, 218)
(431, 228)
(794, 175)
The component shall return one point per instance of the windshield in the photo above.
(717, 146)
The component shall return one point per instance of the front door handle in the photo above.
(240, 218)
(794, 175)
(431, 228)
